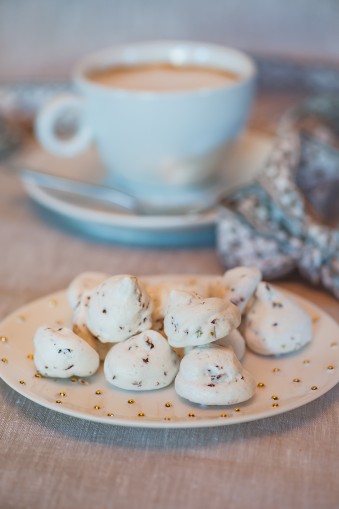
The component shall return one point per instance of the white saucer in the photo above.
(283, 382)
(247, 158)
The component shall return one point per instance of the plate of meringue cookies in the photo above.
(170, 351)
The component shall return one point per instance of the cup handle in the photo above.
(46, 123)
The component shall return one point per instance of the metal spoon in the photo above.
(107, 195)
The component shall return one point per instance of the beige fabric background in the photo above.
(42, 39)
(51, 461)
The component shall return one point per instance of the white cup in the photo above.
(171, 139)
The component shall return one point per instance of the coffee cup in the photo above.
(161, 114)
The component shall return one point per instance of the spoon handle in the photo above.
(99, 193)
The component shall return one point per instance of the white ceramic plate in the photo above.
(288, 382)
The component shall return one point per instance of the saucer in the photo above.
(114, 225)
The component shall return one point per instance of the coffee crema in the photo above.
(162, 77)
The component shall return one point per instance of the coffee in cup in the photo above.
(163, 77)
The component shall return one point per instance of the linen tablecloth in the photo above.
(50, 460)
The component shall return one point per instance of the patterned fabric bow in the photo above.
(285, 219)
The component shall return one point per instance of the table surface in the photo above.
(50, 460)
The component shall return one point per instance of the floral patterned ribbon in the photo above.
(286, 218)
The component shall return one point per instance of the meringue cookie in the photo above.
(212, 375)
(276, 324)
(60, 353)
(240, 284)
(160, 292)
(80, 328)
(141, 363)
(118, 309)
(81, 283)
(235, 340)
(193, 321)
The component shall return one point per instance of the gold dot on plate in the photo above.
(52, 303)
(30, 356)
(314, 388)
(21, 318)
(261, 384)
(4, 360)
(62, 393)
(274, 397)
(141, 414)
(22, 382)
(110, 414)
(275, 370)
(98, 392)
(167, 418)
(315, 318)
(38, 375)
(330, 367)
(4, 339)
(59, 322)
(168, 404)
(73, 379)
(223, 415)
(275, 405)
(236, 409)
(333, 344)
(191, 414)
(58, 401)
(97, 407)
(130, 401)
(306, 361)
(297, 380)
